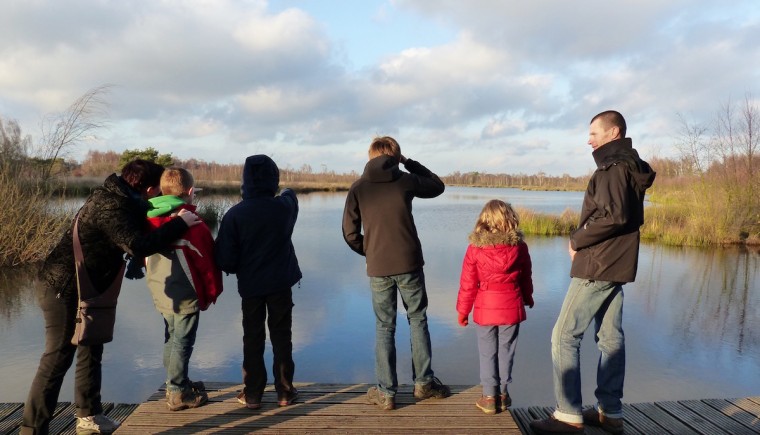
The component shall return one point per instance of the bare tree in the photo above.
(692, 145)
(13, 145)
(749, 126)
(62, 132)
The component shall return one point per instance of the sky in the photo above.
(495, 86)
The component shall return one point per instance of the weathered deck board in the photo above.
(723, 421)
(322, 408)
(342, 408)
(742, 416)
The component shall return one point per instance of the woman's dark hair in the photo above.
(141, 174)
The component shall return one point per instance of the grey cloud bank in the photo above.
(509, 88)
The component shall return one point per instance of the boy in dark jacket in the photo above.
(254, 242)
(381, 202)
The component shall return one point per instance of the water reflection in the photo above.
(715, 289)
(692, 319)
(17, 287)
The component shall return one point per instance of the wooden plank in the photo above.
(343, 408)
(637, 421)
(721, 420)
(667, 421)
(64, 419)
(749, 420)
(6, 409)
(747, 405)
(12, 420)
(523, 418)
(691, 419)
(11, 424)
(340, 407)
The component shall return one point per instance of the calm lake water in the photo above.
(692, 318)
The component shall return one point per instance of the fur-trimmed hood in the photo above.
(482, 239)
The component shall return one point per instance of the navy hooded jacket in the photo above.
(254, 240)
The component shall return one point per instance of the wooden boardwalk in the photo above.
(341, 408)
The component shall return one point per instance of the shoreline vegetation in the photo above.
(676, 216)
(707, 196)
(681, 213)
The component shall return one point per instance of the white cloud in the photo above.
(469, 85)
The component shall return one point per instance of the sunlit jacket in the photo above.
(380, 202)
(607, 238)
(184, 277)
(496, 279)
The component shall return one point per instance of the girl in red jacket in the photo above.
(496, 279)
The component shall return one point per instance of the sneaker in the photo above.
(196, 386)
(249, 403)
(179, 400)
(288, 397)
(487, 404)
(96, 424)
(384, 401)
(552, 426)
(593, 417)
(433, 389)
(504, 402)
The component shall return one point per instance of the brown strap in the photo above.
(83, 278)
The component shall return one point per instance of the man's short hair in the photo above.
(384, 145)
(612, 118)
(141, 174)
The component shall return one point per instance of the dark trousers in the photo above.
(277, 310)
(60, 315)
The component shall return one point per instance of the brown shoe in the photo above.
(593, 417)
(552, 426)
(288, 397)
(487, 404)
(504, 402)
(179, 400)
(248, 402)
(384, 401)
(434, 389)
(195, 385)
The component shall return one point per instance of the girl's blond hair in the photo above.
(497, 217)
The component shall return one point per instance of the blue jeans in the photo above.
(602, 302)
(179, 339)
(496, 346)
(411, 286)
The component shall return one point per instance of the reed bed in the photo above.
(29, 224)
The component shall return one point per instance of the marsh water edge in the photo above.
(692, 318)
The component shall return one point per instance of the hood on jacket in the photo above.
(622, 151)
(382, 169)
(481, 239)
(164, 204)
(261, 177)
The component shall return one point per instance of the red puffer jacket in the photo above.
(496, 278)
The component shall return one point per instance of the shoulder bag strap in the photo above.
(83, 279)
